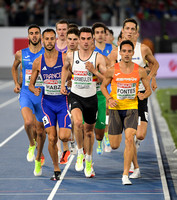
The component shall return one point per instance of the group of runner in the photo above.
(69, 85)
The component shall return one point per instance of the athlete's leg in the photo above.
(52, 147)
(28, 123)
(129, 147)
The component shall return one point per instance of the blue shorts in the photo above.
(54, 111)
(28, 99)
(109, 88)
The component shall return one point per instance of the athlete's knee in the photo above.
(52, 139)
(89, 133)
(78, 124)
(29, 123)
(99, 137)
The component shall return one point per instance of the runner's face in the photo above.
(85, 40)
(62, 31)
(129, 31)
(34, 36)
(108, 37)
(99, 35)
(72, 41)
(49, 40)
(126, 53)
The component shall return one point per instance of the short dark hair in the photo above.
(130, 20)
(111, 31)
(72, 25)
(120, 35)
(126, 42)
(73, 31)
(85, 30)
(62, 21)
(48, 30)
(34, 26)
(98, 25)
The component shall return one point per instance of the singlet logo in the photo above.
(44, 68)
(77, 62)
(57, 66)
(117, 74)
(136, 58)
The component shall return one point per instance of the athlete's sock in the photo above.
(88, 157)
(80, 151)
(106, 134)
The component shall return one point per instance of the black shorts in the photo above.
(143, 110)
(88, 106)
(122, 119)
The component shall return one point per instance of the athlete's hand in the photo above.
(89, 66)
(17, 88)
(153, 84)
(37, 91)
(141, 96)
(112, 103)
(63, 90)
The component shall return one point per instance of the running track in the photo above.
(17, 181)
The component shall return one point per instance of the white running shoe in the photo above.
(73, 148)
(137, 142)
(131, 170)
(126, 180)
(79, 164)
(136, 173)
(107, 149)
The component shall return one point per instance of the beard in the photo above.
(49, 49)
(35, 43)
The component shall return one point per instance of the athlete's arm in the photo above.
(17, 61)
(106, 81)
(146, 83)
(113, 56)
(152, 62)
(64, 74)
(35, 72)
(100, 67)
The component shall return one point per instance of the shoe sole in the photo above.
(33, 159)
(37, 174)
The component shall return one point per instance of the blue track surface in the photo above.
(18, 182)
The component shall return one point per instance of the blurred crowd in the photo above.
(25, 12)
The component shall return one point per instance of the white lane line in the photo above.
(57, 185)
(13, 135)
(90, 193)
(8, 102)
(8, 84)
(159, 158)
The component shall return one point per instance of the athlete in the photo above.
(99, 31)
(141, 53)
(123, 103)
(83, 98)
(62, 27)
(54, 105)
(110, 37)
(30, 105)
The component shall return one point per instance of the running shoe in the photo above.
(38, 168)
(42, 160)
(137, 143)
(89, 172)
(99, 149)
(136, 173)
(107, 144)
(131, 170)
(126, 180)
(56, 176)
(73, 148)
(30, 156)
(65, 157)
(79, 164)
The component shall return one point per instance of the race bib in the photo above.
(52, 87)
(126, 90)
(82, 79)
(39, 81)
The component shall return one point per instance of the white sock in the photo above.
(88, 157)
(80, 151)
